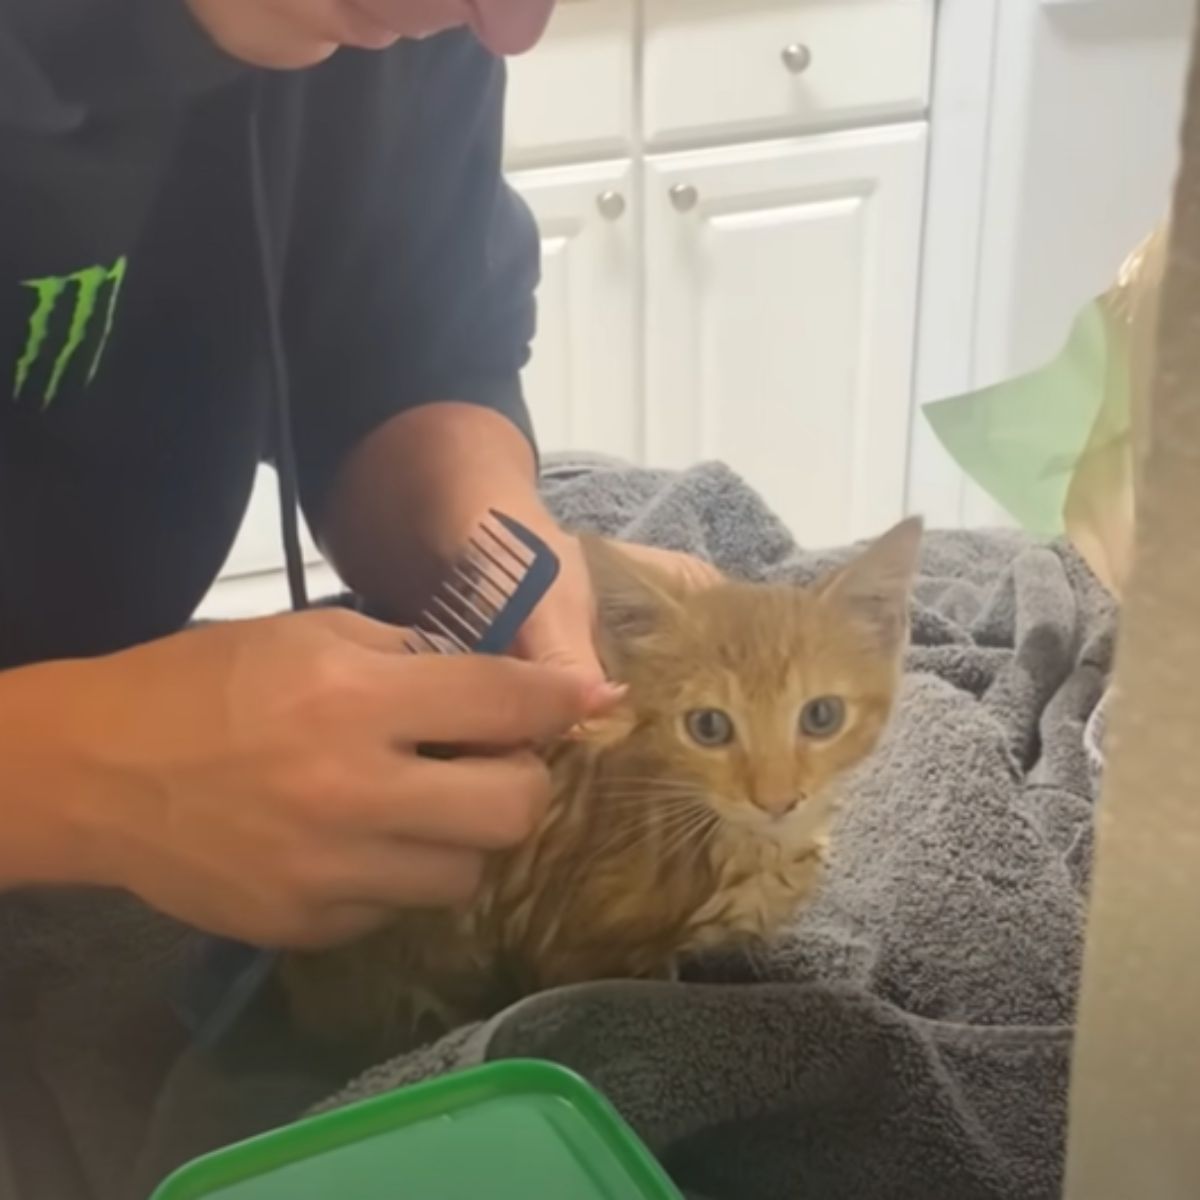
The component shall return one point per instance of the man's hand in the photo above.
(261, 779)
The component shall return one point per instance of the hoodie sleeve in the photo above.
(413, 265)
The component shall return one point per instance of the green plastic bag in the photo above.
(1022, 439)
(1059, 448)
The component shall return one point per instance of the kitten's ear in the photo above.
(634, 598)
(876, 585)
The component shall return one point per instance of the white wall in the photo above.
(1076, 106)
(1082, 157)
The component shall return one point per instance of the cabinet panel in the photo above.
(768, 67)
(582, 382)
(781, 293)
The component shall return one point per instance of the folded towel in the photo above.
(907, 1038)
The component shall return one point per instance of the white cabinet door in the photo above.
(781, 293)
(583, 383)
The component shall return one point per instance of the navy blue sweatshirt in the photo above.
(163, 212)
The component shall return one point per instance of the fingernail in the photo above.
(605, 695)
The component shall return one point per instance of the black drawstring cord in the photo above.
(229, 974)
(285, 451)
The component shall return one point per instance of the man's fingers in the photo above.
(368, 882)
(338, 925)
(475, 803)
(548, 649)
(394, 875)
(476, 700)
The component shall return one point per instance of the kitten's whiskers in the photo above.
(628, 838)
(643, 799)
(694, 835)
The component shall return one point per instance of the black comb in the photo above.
(491, 590)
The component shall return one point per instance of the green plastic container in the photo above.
(517, 1130)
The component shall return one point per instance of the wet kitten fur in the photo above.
(654, 847)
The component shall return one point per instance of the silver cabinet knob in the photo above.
(611, 205)
(797, 58)
(684, 197)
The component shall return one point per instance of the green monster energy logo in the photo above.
(88, 286)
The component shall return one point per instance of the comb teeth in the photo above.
(477, 605)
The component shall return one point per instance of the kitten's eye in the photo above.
(823, 717)
(709, 727)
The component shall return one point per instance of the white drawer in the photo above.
(571, 98)
(740, 68)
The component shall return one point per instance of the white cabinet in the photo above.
(755, 300)
(781, 293)
(582, 381)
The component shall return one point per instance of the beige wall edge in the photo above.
(1135, 1099)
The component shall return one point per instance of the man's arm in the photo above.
(44, 819)
(451, 459)
(412, 264)
(410, 315)
(413, 310)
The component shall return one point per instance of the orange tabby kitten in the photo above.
(694, 817)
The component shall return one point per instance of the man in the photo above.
(200, 199)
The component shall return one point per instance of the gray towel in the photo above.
(908, 1038)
